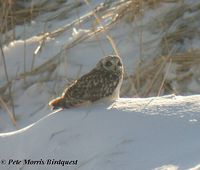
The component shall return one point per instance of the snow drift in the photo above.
(143, 134)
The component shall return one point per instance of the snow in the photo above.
(152, 133)
(157, 133)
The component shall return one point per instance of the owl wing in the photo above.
(93, 86)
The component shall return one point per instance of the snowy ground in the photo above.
(160, 133)
(33, 90)
(142, 134)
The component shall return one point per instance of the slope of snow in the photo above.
(155, 133)
(159, 133)
(22, 56)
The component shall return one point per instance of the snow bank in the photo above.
(155, 133)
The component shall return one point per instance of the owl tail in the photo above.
(62, 102)
(57, 103)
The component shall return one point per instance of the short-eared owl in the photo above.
(102, 82)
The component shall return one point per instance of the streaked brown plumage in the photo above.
(102, 82)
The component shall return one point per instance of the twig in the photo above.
(10, 114)
(159, 71)
(155, 77)
(24, 52)
(6, 74)
(39, 47)
(104, 29)
(163, 81)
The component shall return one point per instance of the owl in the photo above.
(102, 82)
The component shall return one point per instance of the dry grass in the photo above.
(7, 110)
(153, 80)
(150, 78)
(13, 13)
(132, 9)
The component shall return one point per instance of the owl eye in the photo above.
(119, 63)
(108, 63)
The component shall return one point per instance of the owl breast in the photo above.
(95, 85)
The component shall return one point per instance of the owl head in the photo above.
(111, 63)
